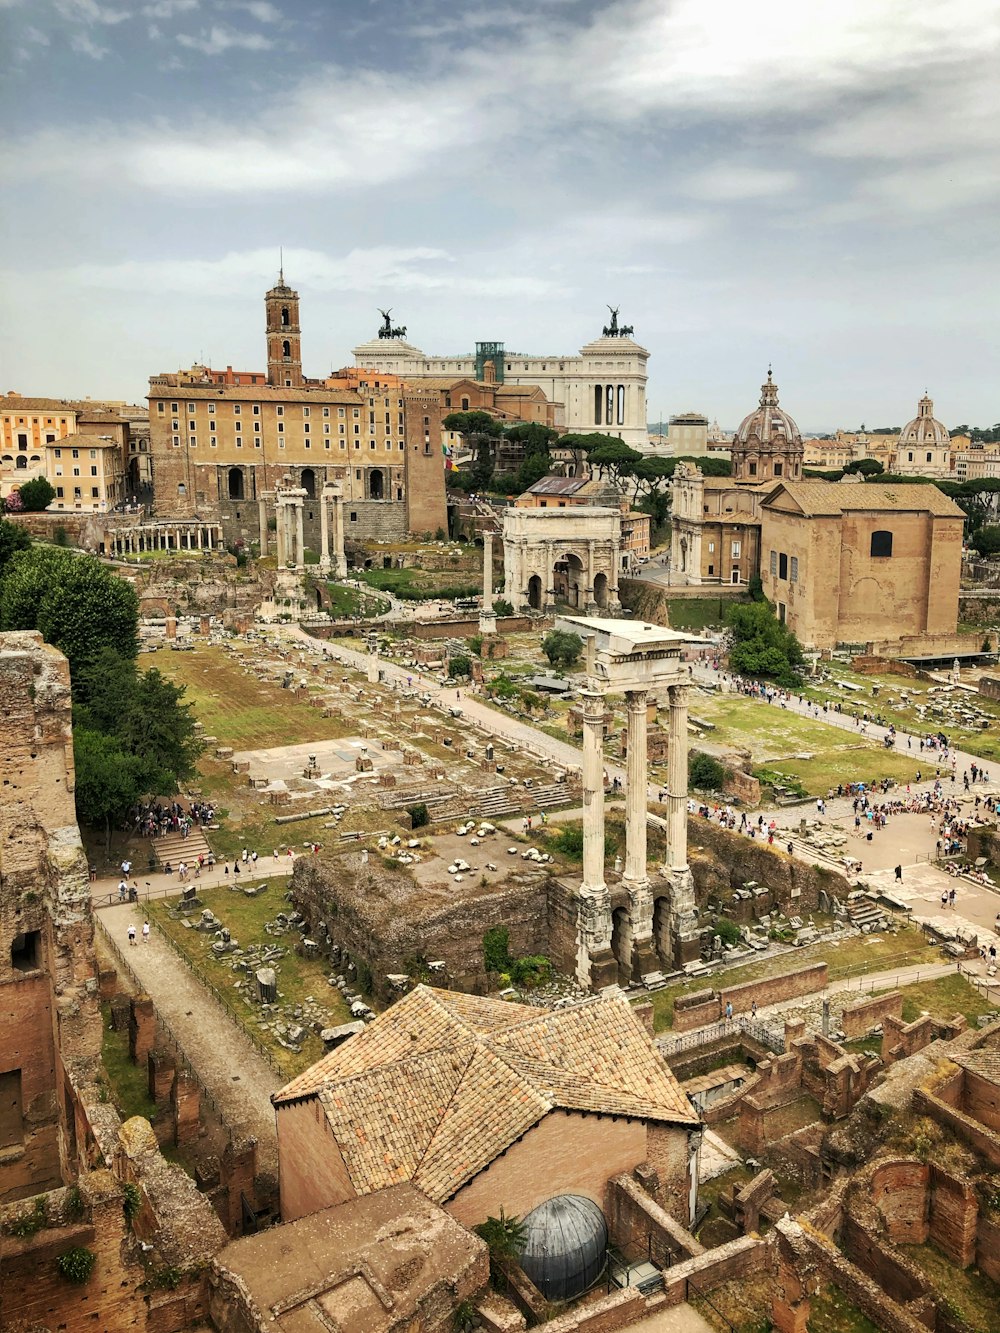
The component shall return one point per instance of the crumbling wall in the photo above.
(723, 861)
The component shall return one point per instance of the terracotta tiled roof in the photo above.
(985, 1063)
(441, 1083)
(14, 403)
(837, 497)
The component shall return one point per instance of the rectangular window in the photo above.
(211, 407)
(305, 428)
(237, 409)
(239, 441)
(711, 548)
(94, 492)
(193, 441)
(354, 517)
(192, 407)
(774, 562)
(795, 569)
(256, 409)
(93, 471)
(161, 408)
(782, 565)
(192, 425)
(736, 550)
(173, 408)
(58, 453)
(281, 428)
(177, 441)
(175, 424)
(213, 442)
(341, 412)
(59, 492)
(76, 453)
(326, 429)
(305, 411)
(256, 427)
(326, 411)
(280, 410)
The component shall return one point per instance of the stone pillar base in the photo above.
(603, 969)
(687, 948)
(644, 959)
(487, 623)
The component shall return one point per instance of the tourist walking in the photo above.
(131, 932)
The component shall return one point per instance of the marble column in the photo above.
(549, 591)
(279, 531)
(636, 877)
(300, 540)
(324, 531)
(487, 618)
(262, 523)
(683, 906)
(595, 964)
(338, 555)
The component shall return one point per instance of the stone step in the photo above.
(173, 848)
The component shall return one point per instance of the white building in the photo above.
(688, 435)
(573, 556)
(924, 448)
(601, 389)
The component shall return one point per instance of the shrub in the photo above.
(704, 772)
(532, 970)
(502, 607)
(506, 1236)
(460, 665)
(28, 1223)
(419, 815)
(476, 644)
(60, 537)
(496, 949)
(37, 494)
(727, 931)
(76, 1264)
(562, 647)
(131, 1201)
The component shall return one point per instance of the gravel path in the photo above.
(240, 1080)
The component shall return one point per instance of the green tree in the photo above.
(37, 494)
(481, 433)
(868, 467)
(533, 469)
(72, 600)
(108, 781)
(13, 538)
(562, 647)
(502, 607)
(705, 772)
(986, 540)
(613, 459)
(459, 665)
(506, 1236)
(761, 645)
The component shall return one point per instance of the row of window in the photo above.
(279, 409)
(783, 566)
(213, 443)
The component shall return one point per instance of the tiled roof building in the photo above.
(442, 1085)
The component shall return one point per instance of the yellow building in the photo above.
(87, 471)
(861, 564)
(27, 425)
(221, 443)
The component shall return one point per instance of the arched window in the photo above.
(286, 348)
(881, 543)
(235, 483)
(376, 484)
(308, 482)
(22, 460)
(285, 321)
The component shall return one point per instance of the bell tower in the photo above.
(284, 337)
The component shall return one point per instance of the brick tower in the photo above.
(284, 337)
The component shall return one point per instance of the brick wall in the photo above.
(640, 1228)
(981, 1100)
(982, 1140)
(707, 1271)
(696, 1010)
(860, 1018)
(465, 627)
(699, 1008)
(313, 1174)
(621, 1309)
(565, 1153)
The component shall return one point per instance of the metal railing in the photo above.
(771, 1037)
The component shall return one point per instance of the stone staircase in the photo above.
(547, 797)
(173, 848)
(865, 914)
(495, 803)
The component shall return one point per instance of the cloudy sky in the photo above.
(811, 182)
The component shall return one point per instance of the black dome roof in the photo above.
(567, 1245)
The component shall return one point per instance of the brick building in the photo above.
(483, 1104)
(222, 441)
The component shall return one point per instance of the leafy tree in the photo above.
(13, 538)
(562, 647)
(704, 772)
(419, 815)
(986, 540)
(459, 666)
(108, 781)
(868, 467)
(501, 607)
(761, 645)
(481, 433)
(37, 494)
(613, 458)
(533, 435)
(505, 483)
(534, 468)
(72, 600)
(496, 949)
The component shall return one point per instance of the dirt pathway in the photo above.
(239, 1079)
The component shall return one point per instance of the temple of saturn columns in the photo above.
(657, 919)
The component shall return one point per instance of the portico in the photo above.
(638, 660)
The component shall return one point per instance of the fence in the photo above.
(771, 1037)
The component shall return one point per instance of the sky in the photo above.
(810, 183)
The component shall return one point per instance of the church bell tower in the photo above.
(284, 337)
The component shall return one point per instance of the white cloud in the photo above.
(89, 11)
(260, 10)
(85, 45)
(217, 40)
(417, 268)
(168, 9)
(731, 181)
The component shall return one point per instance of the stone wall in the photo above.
(989, 687)
(722, 861)
(867, 665)
(726, 1263)
(619, 1309)
(465, 627)
(699, 1008)
(640, 1228)
(861, 1017)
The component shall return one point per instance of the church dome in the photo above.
(567, 1245)
(924, 430)
(768, 424)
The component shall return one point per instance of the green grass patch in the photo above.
(967, 1295)
(297, 977)
(350, 602)
(832, 1312)
(238, 706)
(128, 1083)
(698, 613)
(853, 955)
(417, 585)
(944, 997)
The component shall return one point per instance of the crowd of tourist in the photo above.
(156, 820)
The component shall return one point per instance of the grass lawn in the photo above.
(419, 585)
(832, 1312)
(904, 715)
(816, 754)
(851, 956)
(944, 997)
(698, 613)
(967, 1293)
(239, 707)
(351, 602)
(298, 977)
(128, 1083)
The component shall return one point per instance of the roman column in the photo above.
(683, 906)
(324, 532)
(279, 529)
(300, 532)
(262, 521)
(487, 618)
(636, 877)
(339, 556)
